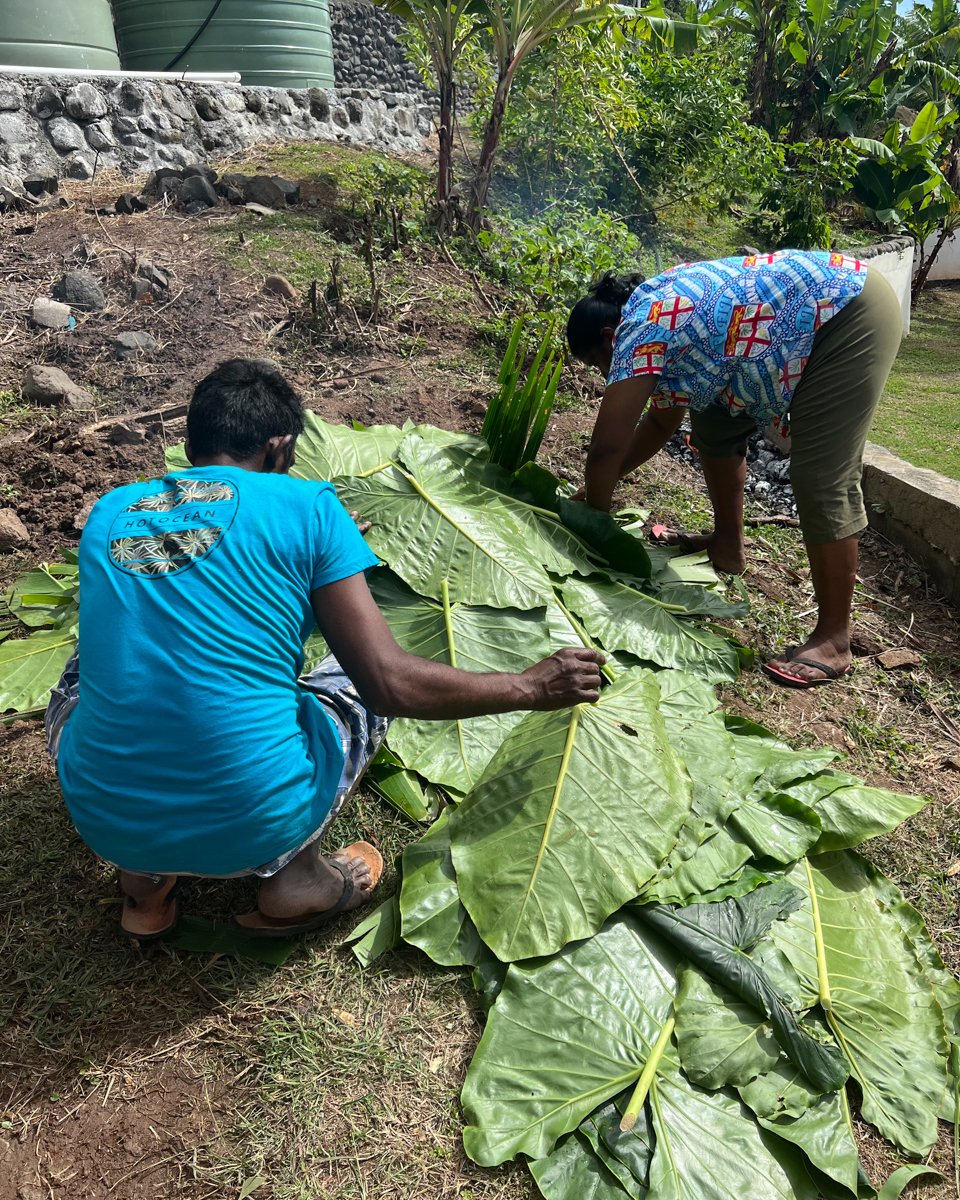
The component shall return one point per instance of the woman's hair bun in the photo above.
(612, 288)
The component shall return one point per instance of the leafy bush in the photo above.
(794, 208)
(549, 260)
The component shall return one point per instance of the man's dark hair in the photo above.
(239, 406)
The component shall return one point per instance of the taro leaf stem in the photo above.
(448, 621)
(584, 637)
(647, 1075)
(823, 978)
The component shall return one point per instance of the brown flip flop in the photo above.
(128, 918)
(257, 924)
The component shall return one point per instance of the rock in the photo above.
(197, 194)
(278, 285)
(141, 292)
(319, 105)
(79, 167)
(158, 280)
(11, 97)
(85, 510)
(232, 187)
(208, 109)
(130, 345)
(890, 660)
(41, 185)
(100, 137)
(29, 1191)
(121, 433)
(85, 103)
(64, 135)
(208, 173)
(81, 290)
(163, 182)
(354, 111)
(13, 535)
(132, 97)
(49, 314)
(291, 190)
(262, 190)
(47, 102)
(43, 384)
(127, 204)
(340, 117)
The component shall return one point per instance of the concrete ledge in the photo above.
(919, 510)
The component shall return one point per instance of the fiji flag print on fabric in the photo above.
(672, 313)
(648, 358)
(825, 310)
(748, 335)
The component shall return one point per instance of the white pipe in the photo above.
(169, 76)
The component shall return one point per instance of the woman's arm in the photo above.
(613, 436)
(657, 426)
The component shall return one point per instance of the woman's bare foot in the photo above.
(726, 554)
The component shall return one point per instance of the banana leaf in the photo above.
(851, 955)
(717, 938)
(573, 816)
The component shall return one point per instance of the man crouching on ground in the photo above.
(186, 741)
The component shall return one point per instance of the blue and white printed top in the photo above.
(735, 331)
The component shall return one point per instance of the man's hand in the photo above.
(567, 677)
(360, 523)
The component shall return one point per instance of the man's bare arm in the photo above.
(397, 684)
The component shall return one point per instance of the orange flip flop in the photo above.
(785, 679)
(257, 924)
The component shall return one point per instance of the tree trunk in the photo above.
(926, 263)
(491, 140)
(448, 116)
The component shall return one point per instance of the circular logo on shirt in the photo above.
(169, 531)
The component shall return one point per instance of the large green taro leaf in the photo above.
(329, 451)
(431, 524)
(565, 1035)
(721, 1039)
(819, 1124)
(709, 1147)
(431, 915)
(623, 618)
(574, 1171)
(849, 811)
(453, 754)
(31, 666)
(717, 938)
(882, 1009)
(574, 814)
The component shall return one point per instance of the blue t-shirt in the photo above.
(192, 748)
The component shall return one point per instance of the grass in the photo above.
(919, 415)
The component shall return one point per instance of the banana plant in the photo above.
(902, 185)
(446, 27)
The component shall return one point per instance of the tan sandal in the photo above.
(257, 924)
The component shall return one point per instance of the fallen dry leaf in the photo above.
(954, 868)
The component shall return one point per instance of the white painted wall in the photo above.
(946, 267)
(897, 266)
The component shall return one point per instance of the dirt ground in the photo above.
(125, 1074)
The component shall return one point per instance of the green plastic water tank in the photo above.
(272, 43)
(58, 33)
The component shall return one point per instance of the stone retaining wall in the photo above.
(66, 126)
(367, 50)
(894, 258)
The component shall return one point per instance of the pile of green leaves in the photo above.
(690, 972)
(44, 602)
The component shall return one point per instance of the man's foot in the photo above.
(149, 909)
(311, 890)
(816, 662)
(725, 555)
